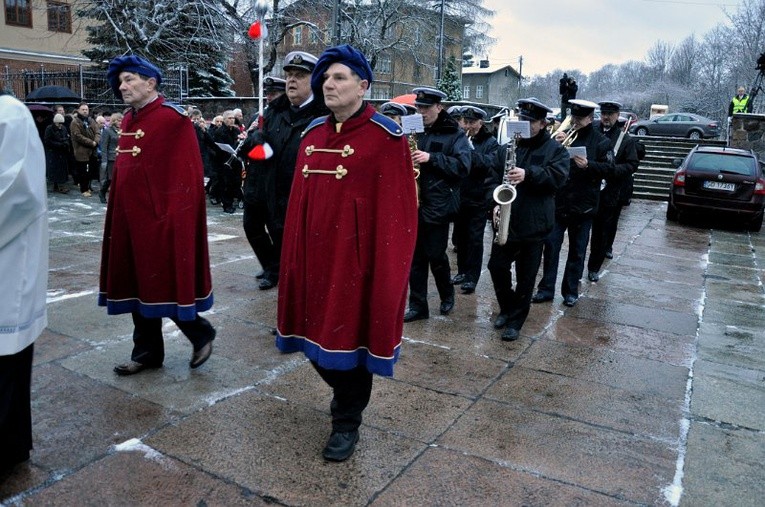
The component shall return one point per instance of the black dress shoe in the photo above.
(593, 276)
(610, 254)
(541, 298)
(133, 367)
(260, 274)
(229, 209)
(200, 356)
(468, 287)
(570, 300)
(340, 445)
(412, 315)
(501, 320)
(266, 284)
(459, 279)
(510, 335)
(446, 307)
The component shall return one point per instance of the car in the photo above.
(627, 115)
(688, 125)
(716, 181)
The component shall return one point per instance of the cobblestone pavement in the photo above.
(649, 391)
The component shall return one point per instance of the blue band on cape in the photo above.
(156, 310)
(336, 359)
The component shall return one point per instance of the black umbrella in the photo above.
(54, 94)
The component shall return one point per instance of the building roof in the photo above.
(491, 69)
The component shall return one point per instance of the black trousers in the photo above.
(149, 346)
(527, 256)
(351, 390)
(267, 246)
(227, 185)
(578, 229)
(604, 227)
(15, 407)
(469, 227)
(430, 251)
(84, 172)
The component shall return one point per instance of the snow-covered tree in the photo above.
(450, 82)
(190, 36)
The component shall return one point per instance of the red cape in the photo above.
(348, 246)
(154, 257)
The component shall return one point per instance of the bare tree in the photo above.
(683, 64)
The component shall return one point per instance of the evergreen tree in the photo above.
(450, 82)
(174, 34)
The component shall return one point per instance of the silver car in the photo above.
(689, 125)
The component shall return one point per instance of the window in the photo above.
(479, 91)
(18, 12)
(59, 17)
(379, 93)
(297, 35)
(466, 92)
(383, 65)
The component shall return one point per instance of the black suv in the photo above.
(714, 180)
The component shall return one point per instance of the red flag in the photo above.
(261, 152)
(257, 31)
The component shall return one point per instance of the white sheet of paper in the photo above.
(518, 127)
(412, 123)
(225, 147)
(577, 150)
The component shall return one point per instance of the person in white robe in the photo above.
(23, 271)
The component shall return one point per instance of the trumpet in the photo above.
(505, 194)
(570, 130)
(412, 148)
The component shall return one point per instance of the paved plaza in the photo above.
(650, 391)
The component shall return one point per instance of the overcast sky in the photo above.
(587, 34)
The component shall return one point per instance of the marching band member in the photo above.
(444, 157)
(541, 169)
(575, 204)
(268, 181)
(606, 220)
(348, 241)
(475, 200)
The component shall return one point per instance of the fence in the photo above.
(91, 85)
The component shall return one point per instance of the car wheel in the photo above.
(642, 131)
(756, 224)
(672, 214)
(694, 134)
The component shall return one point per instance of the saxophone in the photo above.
(505, 194)
(412, 138)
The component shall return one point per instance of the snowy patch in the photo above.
(56, 295)
(135, 445)
(212, 238)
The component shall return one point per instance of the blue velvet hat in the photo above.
(130, 63)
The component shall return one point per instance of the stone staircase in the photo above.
(654, 175)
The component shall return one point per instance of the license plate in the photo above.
(719, 185)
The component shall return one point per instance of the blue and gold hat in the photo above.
(473, 113)
(582, 108)
(274, 84)
(532, 109)
(428, 96)
(300, 60)
(610, 106)
(393, 109)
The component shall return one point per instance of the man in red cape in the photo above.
(154, 261)
(348, 243)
